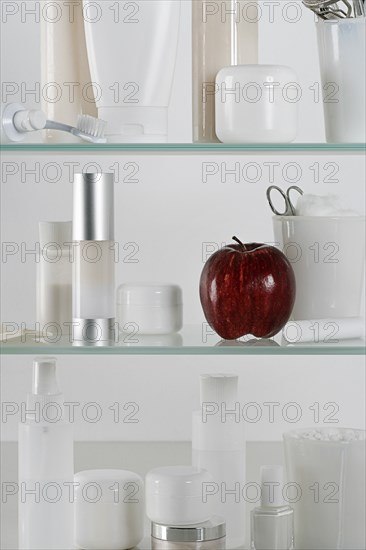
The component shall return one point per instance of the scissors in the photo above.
(289, 207)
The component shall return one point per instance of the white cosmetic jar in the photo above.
(210, 535)
(175, 495)
(149, 308)
(257, 104)
(109, 510)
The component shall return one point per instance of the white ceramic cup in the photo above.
(327, 254)
(330, 510)
(342, 48)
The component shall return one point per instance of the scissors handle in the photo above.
(289, 207)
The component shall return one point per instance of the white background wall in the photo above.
(171, 213)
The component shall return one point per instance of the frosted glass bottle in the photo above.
(45, 466)
(54, 279)
(94, 261)
(224, 33)
(218, 446)
(65, 76)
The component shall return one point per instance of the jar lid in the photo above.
(149, 294)
(213, 529)
(107, 485)
(262, 75)
(177, 482)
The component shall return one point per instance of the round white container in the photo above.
(174, 495)
(257, 104)
(150, 308)
(109, 510)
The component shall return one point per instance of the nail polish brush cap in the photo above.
(272, 486)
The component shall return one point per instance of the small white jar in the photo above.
(149, 308)
(109, 510)
(174, 495)
(257, 104)
(210, 535)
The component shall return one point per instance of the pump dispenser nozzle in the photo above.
(219, 388)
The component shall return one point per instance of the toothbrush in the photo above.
(17, 122)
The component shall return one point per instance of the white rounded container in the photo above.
(257, 104)
(109, 510)
(210, 535)
(174, 495)
(150, 308)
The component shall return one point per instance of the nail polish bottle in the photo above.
(272, 524)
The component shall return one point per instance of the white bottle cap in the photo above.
(272, 486)
(44, 376)
(219, 388)
(55, 232)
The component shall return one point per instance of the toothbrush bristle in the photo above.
(91, 126)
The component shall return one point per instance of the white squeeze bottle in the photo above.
(218, 446)
(65, 77)
(45, 465)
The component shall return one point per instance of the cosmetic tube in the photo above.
(45, 465)
(94, 260)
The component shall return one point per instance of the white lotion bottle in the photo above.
(272, 524)
(45, 465)
(67, 90)
(132, 55)
(94, 259)
(224, 33)
(54, 279)
(218, 446)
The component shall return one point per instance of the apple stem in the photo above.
(239, 242)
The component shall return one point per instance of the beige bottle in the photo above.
(66, 83)
(224, 33)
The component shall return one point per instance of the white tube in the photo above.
(324, 330)
(132, 57)
(218, 446)
(45, 466)
(66, 82)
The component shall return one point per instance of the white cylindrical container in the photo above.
(342, 54)
(94, 261)
(324, 330)
(45, 465)
(54, 278)
(174, 495)
(256, 104)
(218, 446)
(152, 308)
(224, 33)
(109, 510)
(134, 67)
(328, 466)
(209, 535)
(327, 254)
(66, 84)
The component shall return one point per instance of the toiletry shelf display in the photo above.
(219, 148)
(192, 340)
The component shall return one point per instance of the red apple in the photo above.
(247, 289)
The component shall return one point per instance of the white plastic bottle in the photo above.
(218, 446)
(132, 52)
(224, 33)
(65, 77)
(45, 465)
(54, 279)
(94, 262)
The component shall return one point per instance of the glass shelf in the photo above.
(217, 148)
(193, 340)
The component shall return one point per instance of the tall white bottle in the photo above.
(223, 33)
(218, 446)
(132, 53)
(65, 77)
(45, 465)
